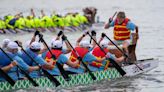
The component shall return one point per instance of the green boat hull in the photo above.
(76, 79)
(85, 78)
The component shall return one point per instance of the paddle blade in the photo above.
(88, 70)
(28, 77)
(7, 77)
(118, 68)
(62, 71)
(50, 77)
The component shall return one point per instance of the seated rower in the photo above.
(13, 72)
(100, 55)
(83, 49)
(34, 51)
(8, 67)
(58, 51)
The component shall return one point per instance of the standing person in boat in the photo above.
(59, 52)
(13, 71)
(125, 33)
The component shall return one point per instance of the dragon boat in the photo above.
(84, 79)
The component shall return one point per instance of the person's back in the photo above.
(58, 56)
(11, 51)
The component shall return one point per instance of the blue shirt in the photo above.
(13, 72)
(62, 59)
(35, 56)
(30, 62)
(88, 58)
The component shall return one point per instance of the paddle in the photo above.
(24, 72)
(7, 77)
(62, 71)
(119, 69)
(80, 59)
(47, 74)
(120, 50)
(110, 19)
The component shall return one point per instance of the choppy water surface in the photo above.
(147, 14)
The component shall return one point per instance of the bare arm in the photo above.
(107, 25)
(73, 64)
(59, 34)
(42, 13)
(33, 39)
(120, 59)
(33, 68)
(32, 13)
(44, 49)
(79, 40)
(8, 67)
(68, 48)
(48, 66)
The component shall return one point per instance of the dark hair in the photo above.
(57, 48)
(121, 14)
(35, 50)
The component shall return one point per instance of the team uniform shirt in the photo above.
(28, 60)
(14, 73)
(62, 59)
(88, 59)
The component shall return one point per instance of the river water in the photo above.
(147, 14)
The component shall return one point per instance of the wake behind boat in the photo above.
(85, 78)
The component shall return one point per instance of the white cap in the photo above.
(35, 45)
(12, 45)
(104, 44)
(5, 41)
(85, 44)
(56, 44)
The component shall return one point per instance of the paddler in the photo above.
(101, 56)
(13, 71)
(59, 52)
(84, 48)
(125, 33)
(34, 51)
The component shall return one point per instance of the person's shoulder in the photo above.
(62, 56)
(130, 23)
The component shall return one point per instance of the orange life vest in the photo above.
(120, 30)
(99, 54)
(81, 51)
(49, 58)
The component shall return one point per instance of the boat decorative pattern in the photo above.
(76, 79)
